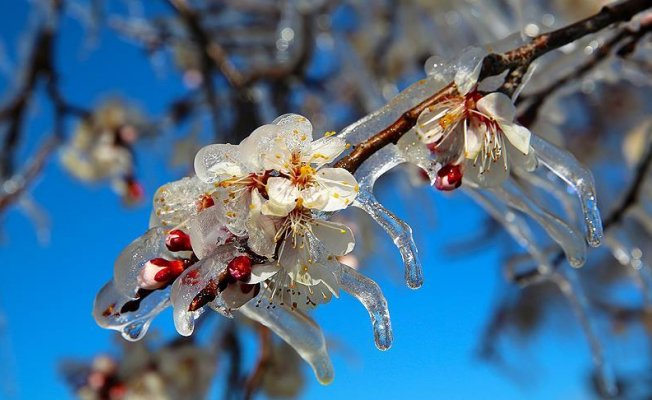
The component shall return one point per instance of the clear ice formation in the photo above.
(297, 329)
(577, 176)
(107, 311)
(369, 294)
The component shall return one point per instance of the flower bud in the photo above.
(449, 177)
(240, 268)
(178, 240)
(147, 278)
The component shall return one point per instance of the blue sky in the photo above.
(46, 292)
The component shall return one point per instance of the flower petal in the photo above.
(277, 155)
(263, 272)
(518, 135)
(324, 150)
(341, 186)
(283, 195)
(176, 202)
(261, 228)
(296, 132)
(258, 142)
(218, 162)
(473, 134)
(337, 238)
(497, 106)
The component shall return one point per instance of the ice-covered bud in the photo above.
(240, 268)
(205, 202)
(135, 191)
(178, 240)
(449, 177)
(158, 272)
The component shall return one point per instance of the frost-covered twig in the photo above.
(622, 43)
(495, 64)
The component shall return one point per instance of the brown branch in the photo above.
(38, 67)
(495, 64)
(24, 180)
(264, 358)
(622, 42)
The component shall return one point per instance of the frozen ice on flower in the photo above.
(474, 133)
(253, 224)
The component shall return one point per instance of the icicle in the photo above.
(381, 119)
(569, 285)
(399, 231)
(567, 238)
(566, 166)
(517, 228)
(133, 323)
(297, 329)
(370, 295)
(548, 186)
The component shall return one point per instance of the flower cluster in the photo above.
(251, 232)
(102, 149)
(471, 131)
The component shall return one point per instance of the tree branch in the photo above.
(494, 64)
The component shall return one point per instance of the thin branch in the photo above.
(264, 358)
(622, 42)
(494, 64)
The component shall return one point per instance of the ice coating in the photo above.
(564, 235)
(370, 295)
(399, 231)
(176, 201)
(548, 186)
(202, 275)
(207, 231)
(566, 166)
(133, 325)
(382, 118)
(133, 258)
(516, 226)
(297, 329)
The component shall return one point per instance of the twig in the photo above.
(264, 358)
(535, 100)
(494, 64)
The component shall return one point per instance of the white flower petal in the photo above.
(518, 135)
(341, 186)
(263, 272)
(296, 132)
(176, 202)
(473, 139)
(324, 150)
(283, 196)
(217, 162)
(261, 228)
(276, 156)
(337, 238)
(498, 106)
(258, 142)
